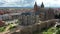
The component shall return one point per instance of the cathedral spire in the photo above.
(35, 3)
(35, 7)
(42, 5)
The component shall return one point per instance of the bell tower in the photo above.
(35, 7)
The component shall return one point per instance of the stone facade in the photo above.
(29, 19)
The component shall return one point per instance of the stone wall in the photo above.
(36, 27)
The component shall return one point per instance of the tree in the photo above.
(58, 32)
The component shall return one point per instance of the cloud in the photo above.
(49, 3)
(29, 3)
(16, 3)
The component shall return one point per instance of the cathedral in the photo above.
(44, 13)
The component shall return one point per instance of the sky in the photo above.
(29, 3)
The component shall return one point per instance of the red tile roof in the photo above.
(2, 23)
(1, 12)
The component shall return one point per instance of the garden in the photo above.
(8, 27)
(2, 29)
(49, 31)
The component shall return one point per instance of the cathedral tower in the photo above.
(35, 7)
(42, 5)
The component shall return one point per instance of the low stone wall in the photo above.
(37, 26)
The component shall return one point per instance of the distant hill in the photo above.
(14, 7)
(23, 7)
